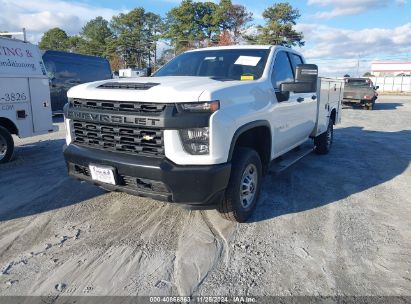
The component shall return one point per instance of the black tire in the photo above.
(369, 106)
(247, 162)
(6, 145)
(323, 142)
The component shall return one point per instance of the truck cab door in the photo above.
(307, 101)
(291, 115)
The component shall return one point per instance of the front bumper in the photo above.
(157, 178)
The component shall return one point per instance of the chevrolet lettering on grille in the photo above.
(115, 119)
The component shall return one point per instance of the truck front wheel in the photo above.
(324, 141)
(244, 186)
(6, 145)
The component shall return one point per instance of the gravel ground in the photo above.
(330, 225)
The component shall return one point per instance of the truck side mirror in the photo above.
(306, 76)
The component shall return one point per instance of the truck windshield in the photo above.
(238, 64)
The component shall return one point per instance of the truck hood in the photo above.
(170, 89)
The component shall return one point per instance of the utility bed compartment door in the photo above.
(335, 97)
(40, 104)
(323, 89)
(329, 96)
(15, 103)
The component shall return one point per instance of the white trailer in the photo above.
(25, 108)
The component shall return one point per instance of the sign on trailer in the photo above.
(20, 59)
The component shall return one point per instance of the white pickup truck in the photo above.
(205, 129)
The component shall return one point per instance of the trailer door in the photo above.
(40, 104)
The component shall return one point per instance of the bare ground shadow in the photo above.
(380, 106)
(58, 118)
(359, 160)
(36, 181)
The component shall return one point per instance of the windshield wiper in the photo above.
(220, 78)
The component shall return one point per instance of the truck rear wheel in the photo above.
(6, 145)
(244, 186)
(324, 141)
(370, 106)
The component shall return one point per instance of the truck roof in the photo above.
(242, 47)
(232, 47)
(72, 55)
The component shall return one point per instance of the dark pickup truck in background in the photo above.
(360, 91)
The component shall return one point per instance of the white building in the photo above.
(390, 68)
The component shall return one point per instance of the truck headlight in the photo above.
(196, 107)
(196, 141)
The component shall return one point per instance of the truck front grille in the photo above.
(124, 106)
(135, 140)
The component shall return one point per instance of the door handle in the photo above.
(300, 99)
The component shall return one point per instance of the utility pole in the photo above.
(358, 66)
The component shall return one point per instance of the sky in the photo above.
(342, 36)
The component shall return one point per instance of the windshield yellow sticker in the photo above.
(247, 77)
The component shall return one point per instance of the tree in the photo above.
(225, 39)
(115, 62)
(367, 74)
(54, 39)
(95, 34)
(128, 31)
(153, 27)
(280, 20)
(182, 26)
(233, 17)
(75, 44)
(193, 24)
(207, 19)
(134, 37)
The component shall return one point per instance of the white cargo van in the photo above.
(24, 94)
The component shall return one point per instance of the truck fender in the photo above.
(333, 116)
(245, 128)
(9, 125)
